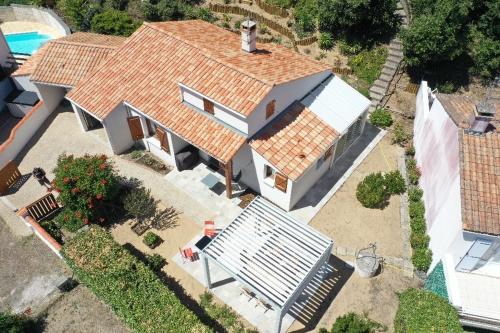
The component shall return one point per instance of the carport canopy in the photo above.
(270, 253)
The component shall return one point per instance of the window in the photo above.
(269, 172)
(151, 127)
(270, 108)
(208, 106)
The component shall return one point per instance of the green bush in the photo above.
(423, 311)
(130, 288)
(155, 262)
(371, 191)
(140, 204)
(410, 150)
(394, 182)
(381, 118)
(355, 323)
(418, 225)
(413, 171)
(52, 229)
(350, 48)
(87, 187)
(325, 41)
(419, 240)
(305, 13)
(421, 259)
(416, 209)
(415, 193)
(114, 22)
(367, 64)
(399, 135)
(151, 239)
(10, 323)
(206, 14)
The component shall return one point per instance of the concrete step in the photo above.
(396, 53)
(374, 90)
(381, 84)
(396, 41)
(388, 71)
(385, 77)
(394, 58)
(400, 12)
(391, 65)
(396, 46)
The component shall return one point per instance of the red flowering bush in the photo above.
(87, 185)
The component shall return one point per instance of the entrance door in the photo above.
(91, 122)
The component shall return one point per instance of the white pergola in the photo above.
(270, 253)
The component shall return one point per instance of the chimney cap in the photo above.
(248, 24)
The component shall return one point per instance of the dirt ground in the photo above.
(376, 297)
(351, 225)
(30, 274)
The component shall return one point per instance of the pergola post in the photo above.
(228, 172)
(279, 319)
(206, 271)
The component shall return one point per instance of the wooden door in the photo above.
(134, 123)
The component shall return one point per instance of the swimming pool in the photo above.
(26, 42)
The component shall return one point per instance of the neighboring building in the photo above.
(457, 145)
(269, 117)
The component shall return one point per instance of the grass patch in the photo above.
(367, 64)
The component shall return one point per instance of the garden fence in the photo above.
(342, 70)
(273, 10)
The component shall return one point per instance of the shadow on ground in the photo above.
(326, 183)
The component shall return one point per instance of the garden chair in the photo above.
(188, 255)
(209, 229)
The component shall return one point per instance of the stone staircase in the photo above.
(380, 87)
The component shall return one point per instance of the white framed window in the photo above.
(269, 175)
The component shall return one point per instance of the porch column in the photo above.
(206, 271)
(228, 171)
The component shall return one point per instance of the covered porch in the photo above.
(274, 260)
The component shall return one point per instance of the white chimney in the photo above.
(248, 35)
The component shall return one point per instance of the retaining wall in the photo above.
(33, 14)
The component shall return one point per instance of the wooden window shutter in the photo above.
(270, 108)
(328, 153)
(134, 123)
(208, 106)
(163, 138)
(280, 182)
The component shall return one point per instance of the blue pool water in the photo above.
(26, 42)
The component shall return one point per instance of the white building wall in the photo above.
(284, 94)
(437, 154)
(51, 95)
(117, 129)
(4, 51)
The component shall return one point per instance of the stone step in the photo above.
(374, 90)
(400, 12)
(396, 53)
(396, 46)
(394, 58)
(388, 71)
(391, 65)
(381, 84)
(385, 77)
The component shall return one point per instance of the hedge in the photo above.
(132, 290)
(423, 311)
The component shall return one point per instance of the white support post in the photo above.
(206, 271)
(279, 319)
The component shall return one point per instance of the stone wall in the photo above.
(33, 14)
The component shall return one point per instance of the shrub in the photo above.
(418, 225)
(155, 262)
(53, 230)
(87, 188)
(140, 204)
(305, 13)
(371, 191)
(114, 22)
(325, 41)
(11, 323)
(237, 25)
(394, 182)
(349, 48)
(367, 64)
(419, 240)
(413, 171)
(381, 118)
(399, 135)
(416, 209)
(355, 323)
(423, 311)
(151, 239)
(421, 259)
(136, 154)
(410, 150)
(415, 194)
(131, 289)
(206, 14)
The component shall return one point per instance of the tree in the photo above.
(87, 187)
(165, 10)
(10, 323)
(358, 19)
(79, 12)
(305, 14)
(485, 52)
(114, 22)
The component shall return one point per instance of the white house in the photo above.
(457, 147)
(268, 117)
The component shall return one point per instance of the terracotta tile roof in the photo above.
(480, 182)
(28, 67)
(145, 73)
(461, 109)
(294, 140)
(66, 60)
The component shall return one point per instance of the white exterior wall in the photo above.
(437, 154)
(51, 95)
(45, 16)
(221, 112)
(117, 129)
(284, 94)
(4, 51)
